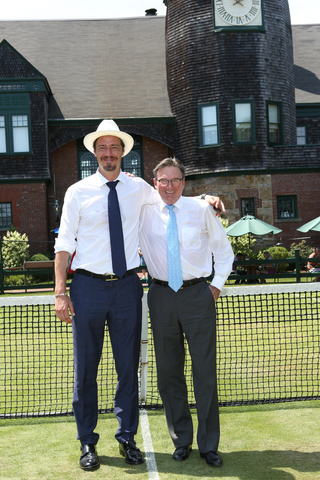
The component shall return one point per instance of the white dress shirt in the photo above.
(84, 226)
(201, 235)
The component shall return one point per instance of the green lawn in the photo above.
(263, 442)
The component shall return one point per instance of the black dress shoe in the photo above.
(181, 453)
(212, 459)
(131, 453)
(89, 459)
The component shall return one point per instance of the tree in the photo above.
(15, 249)
(304, 249)
(243, 244)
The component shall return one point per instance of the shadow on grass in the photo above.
(247, 465)
(118, 462)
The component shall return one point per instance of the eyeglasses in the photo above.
(164, 182)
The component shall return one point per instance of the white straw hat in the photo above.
(108, 127)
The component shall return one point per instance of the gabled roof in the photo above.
(306, 49)
(14, 68)
(117, 68)
(12, 62)
(98, 68)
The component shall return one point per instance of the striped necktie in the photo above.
(173, 251)
(119, 264)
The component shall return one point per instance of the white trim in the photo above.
(32, 300)
(148, 446)
(265, 289)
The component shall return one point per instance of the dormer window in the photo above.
(15, 134)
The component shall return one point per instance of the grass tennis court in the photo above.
(268, 352)
(258, 442)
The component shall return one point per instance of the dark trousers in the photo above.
(119, 304)
(190, 311)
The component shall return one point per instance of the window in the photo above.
(20, 131)
(132, 163)
(208, 124)
(88, 164)
(11, 87)
(3, 143)
(5, 215)
(301, 135)
(287, 206)
(247, 206)
(274, 120)
(15, 131)
(243, 122)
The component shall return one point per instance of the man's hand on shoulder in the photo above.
(217, 204)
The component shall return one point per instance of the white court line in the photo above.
(148, 447)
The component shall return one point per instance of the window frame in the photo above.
(280, 106)
(252, 141)
(305, 134)
(292, 198)
(201, 126)
(15, 105)
(137, 149)
(251, 200)
(91, 168)
(5, 226)
(9, 135)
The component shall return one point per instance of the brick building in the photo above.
(237, 99)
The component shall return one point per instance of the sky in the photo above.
(302, 11)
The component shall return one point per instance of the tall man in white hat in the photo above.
(100, 223)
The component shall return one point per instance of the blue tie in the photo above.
(173, 251)
(119, 264)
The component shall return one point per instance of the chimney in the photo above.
(151, 12)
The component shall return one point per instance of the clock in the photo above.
(238, 14)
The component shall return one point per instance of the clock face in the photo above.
(237, 13)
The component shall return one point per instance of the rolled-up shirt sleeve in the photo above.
(223, 255)
(66, 241)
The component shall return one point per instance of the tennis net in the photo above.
(268, 350)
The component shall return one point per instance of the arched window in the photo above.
(87, 164)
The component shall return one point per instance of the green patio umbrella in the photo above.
(312, 225)
(250, 224)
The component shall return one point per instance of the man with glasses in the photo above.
(178, 238)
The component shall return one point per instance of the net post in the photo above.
(297, 262)
(144, 350)
(1, 270)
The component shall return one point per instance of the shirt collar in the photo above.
(101, 180)
(178, 204)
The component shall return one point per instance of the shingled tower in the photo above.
(230, 90)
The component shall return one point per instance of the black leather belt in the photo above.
(186, 283)
(106, 278)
